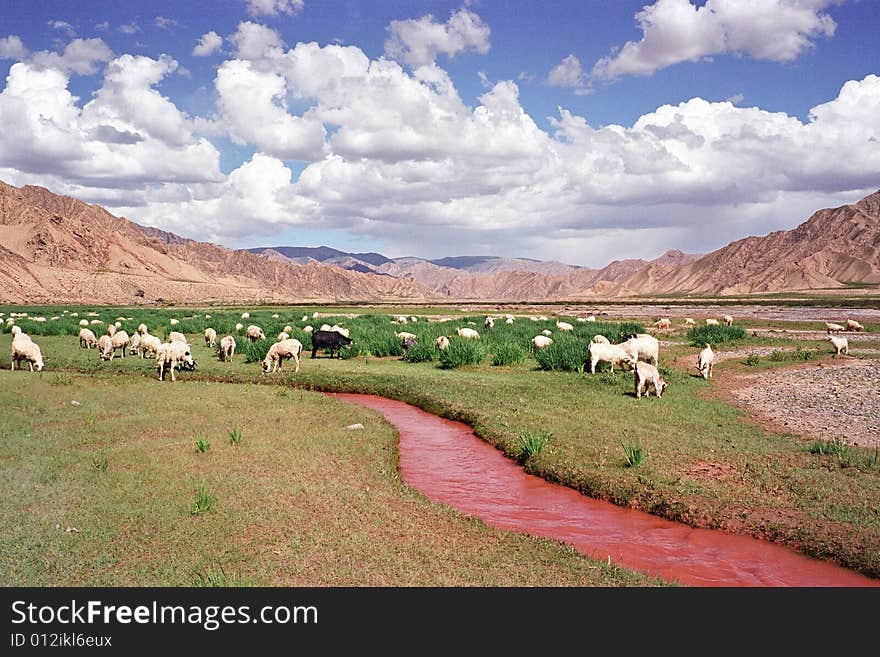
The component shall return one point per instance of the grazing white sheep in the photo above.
(245, 315)
(255, 333)
(645, 376)
(227, 348)
(600, 339)
(239, 327)
(173, 322)
(281, 351)
(149, 343)
(305, 318)
(325, 327)
(591, 318)
(467, 333)
(853, 325)
(543, 318)
(609, 353)
(26, 349)
(403, 335)
(87, 339)
(142, 329)
(39, 319)
(176, 336)
(288, 329)
(120, 341)
(207, 317)
(111, 330)
(308, 329)
(728, 320)
(509, 320)
(210, 337)
(546, 332)
(340, 330)
(663, 324)
(117, 324)
(643, 347)
(706, 361)
(442, 342)
(275, 316)
(541, 341)
(711, 322)
(16, 330)
(414, 319)
(689, 321)
(841, 345)
(284, 335)
(96, 322)
(564, 326)
(105, 347)
(134, 344)
(489, 322)
(315, 315)
(170, 355)
(400, 319)
(831, 327)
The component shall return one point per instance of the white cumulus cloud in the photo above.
(418, 41)
(675, 31)
(208, 44)
(569, 73)
(128, 134)
(12, 47)
(80, 56)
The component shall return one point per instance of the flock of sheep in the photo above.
(640, 352)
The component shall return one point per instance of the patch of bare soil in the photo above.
(839, 400)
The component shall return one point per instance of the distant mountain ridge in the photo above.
(480, 276)
(58, 249)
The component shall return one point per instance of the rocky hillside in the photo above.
(58, 249)
(834, 249)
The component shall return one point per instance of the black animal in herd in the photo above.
(329, 341)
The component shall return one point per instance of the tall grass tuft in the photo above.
(420, 353)
(531, 443)
(633, 454)
(204, 501)
(235, 436)
(564, 355)
(254, 352)
(700, 335)
(844, 452)
(202, 445)
(462, 352)
(508, 354)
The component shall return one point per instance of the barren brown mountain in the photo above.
(834, 249)
(58, 249)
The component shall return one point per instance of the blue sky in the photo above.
(504, 132)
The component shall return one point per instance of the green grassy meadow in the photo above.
(703, 462)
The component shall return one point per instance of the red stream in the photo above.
(446, 462)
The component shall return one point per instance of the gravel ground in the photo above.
(827, 401)
(791, 334)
